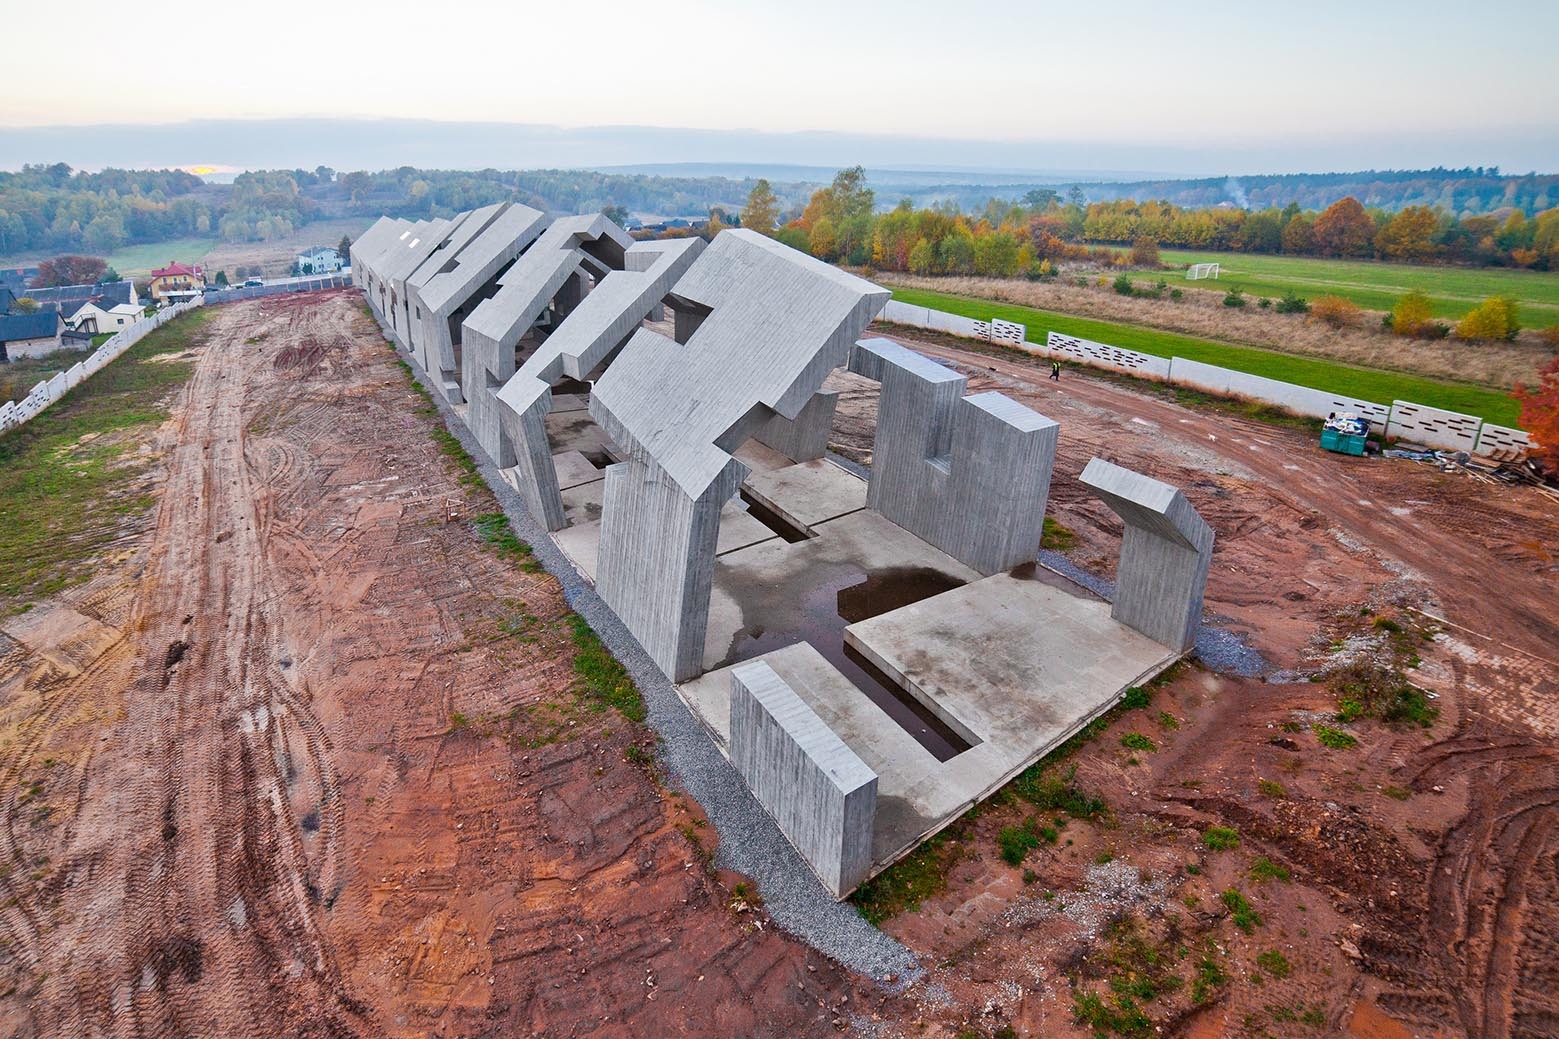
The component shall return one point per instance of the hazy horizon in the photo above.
(999, 84)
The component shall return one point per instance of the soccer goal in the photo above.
(1198, 271)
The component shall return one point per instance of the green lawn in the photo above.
(1317, 373)
(143, 259)
(1454, 290)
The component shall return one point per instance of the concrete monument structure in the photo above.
(821, 794)
(366, 254)
(772, 324)
(1165, 554)
(544, 285)
(586, 340)
(970, 475)
(445, 292)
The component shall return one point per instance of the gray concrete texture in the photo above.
(775, 323)
(1165, 554)
(970, 475)
(818, 790)
(553, 273)
(368, 252)
(459, 283)
(587, 339)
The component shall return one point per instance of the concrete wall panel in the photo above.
(1421, 424)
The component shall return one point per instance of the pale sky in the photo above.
(1181, 75)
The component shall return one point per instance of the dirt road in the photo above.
(311, 762)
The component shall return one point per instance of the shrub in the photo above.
(1122, 285)
(1493, 319)
(1263, 303)
(1179, 294)
(1337, 312)
(1271, 788)
(1550, 336)
(1293, 303)
(1221, 838)
(1144, 253)
(1411, 314)
(1234, 298)
(1136, 697)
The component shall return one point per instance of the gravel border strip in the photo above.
(750, 841)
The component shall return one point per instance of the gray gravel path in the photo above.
(750, 841)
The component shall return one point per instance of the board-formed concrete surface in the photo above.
(821, 794)
(586, 339)
(1165, 554)
(554, 272)
(447, 292)
(808, 493)
(805, 437)
(774, 323)
(971, 475)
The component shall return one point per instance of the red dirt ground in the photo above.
(309, 758)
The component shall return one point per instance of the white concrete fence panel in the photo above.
(1425, 425)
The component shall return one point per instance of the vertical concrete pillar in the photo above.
(822, 795)
(804, 437)
(1165, 554)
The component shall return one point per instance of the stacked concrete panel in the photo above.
(553, 274)
(821, 794)
(444, 294)
(587, 339)
(1104, 355)
(1492, 438)
(1165, 554)
(772, 323)
(970, 475)
(1301, 400)
(1433, 427)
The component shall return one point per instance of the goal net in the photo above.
(1198, 271)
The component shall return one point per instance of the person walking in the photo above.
(1055, 371)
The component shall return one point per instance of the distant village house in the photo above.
(176, 283)
(36, 334)
(322, 260)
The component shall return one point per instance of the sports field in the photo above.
(141, 260)
(1315, 372)
(1454, 290)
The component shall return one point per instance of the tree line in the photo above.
(840, 223)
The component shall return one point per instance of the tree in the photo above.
(1412, 314)
(344, 249)
(109, 274)
(69, 270)
(824, 242)
(922, 258)
(762, 209)
(1409, 236)
(1493, 319)
(1144, 253)
(1540, 414)
(1344, 229)
(1299, 235)
(25, 305)
(221, 278)
(616, 214)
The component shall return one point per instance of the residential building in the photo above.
(36, 334)
(70, 299)
(176, 283)
(319, 260)
(97, 316)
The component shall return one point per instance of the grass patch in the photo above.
(1136, 698)
(1397, 793)
(1137, 741)
(1335, 739)
(1221, 838)
(143, 259)
(1050, 791)
(1056, 537)
(494, 528)
(1015, 842)
(919, 875)
(71, 477)
(1274, 963)
(1317, 373)
(1241, 911)
(1271, 788)
(1264, 869)
(600, 676)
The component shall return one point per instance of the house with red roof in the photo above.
(176, 283)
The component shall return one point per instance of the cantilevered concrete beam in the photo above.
(448, 287)
(775, 323)
(970, 475)
(1165, 554)
(586, 339)
(553, 271)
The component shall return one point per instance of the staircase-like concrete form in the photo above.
(970, 475)
(586, 340)
(773, 323)
(1165, 554)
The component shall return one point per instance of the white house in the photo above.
(321, 260)
(97, 316)
(38, 333)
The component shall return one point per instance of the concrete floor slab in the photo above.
(738, 530)
(581, 540)
(582, 502)
(573, 469)
(577, 431)
(563, 403)
(761, 458)
(808, 493)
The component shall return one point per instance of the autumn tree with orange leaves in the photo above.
(1540, 415)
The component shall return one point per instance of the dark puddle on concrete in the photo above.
(841, 598)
